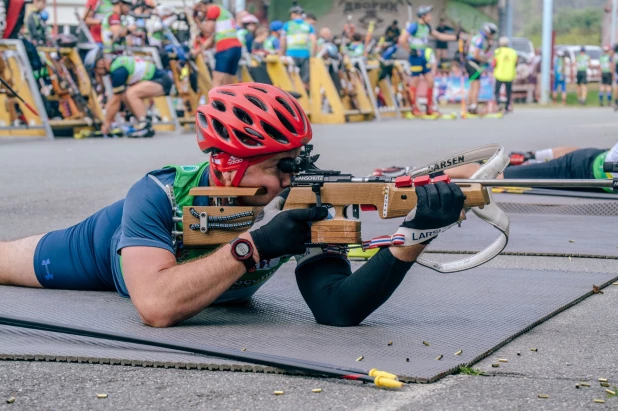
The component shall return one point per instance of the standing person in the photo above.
(442, 46)
(219, 28)
(298, 40)
(476, 62)
(272, 45)
(37, 29)
(416, 37)
(582, 62)
(606, 76)
(560, 68)
(615, 77)
(96, 10)
(246, 34)
(113, 28)
(392, 33)
(505, 63)
(261, 35)
(310, 18)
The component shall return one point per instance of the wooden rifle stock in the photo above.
(384, 197)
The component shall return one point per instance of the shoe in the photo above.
(416, 112)
(430, 111)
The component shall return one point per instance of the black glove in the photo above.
(277, 233)
(438, 206)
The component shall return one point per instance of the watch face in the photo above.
(242, 249)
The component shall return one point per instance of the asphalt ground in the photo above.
(48, 185)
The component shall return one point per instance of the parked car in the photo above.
(523, 47)
(594, 52)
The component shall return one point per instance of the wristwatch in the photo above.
(242, 250)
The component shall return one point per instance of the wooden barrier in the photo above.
(16, 66)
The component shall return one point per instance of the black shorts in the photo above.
(575, 165)
(161, 77)
(606, 79)
(472, 67)
(303, 67)
(582, 78)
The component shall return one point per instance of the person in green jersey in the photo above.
(114, 30)
(356, 48)
(582, 62)
(219, 28)
(95, 12)
(606, 76)
(416, 38)
(133, 80)
(298, 40)
(272, 44)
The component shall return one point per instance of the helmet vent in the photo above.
(246, 139)
(254, 133)
(287, 106)
(201, 118)
(220, 129)
(300, 110)
(259, 89)
(218, 105)
(286, 123)
(229, 93)
(274, 133)
(243, 116)
(256, 102)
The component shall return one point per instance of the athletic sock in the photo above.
(601, 97)
(609, 96)
(544, 155)
(429, 97)
(413, 96)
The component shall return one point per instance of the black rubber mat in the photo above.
(535, 230)
(475, 312)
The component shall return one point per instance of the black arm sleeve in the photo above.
(338, 297)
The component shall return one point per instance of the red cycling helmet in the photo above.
(251, 121)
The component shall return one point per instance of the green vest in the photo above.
(597, 169)
(103, 8)
(225, 26)
(297, 36)
(420, 39)
(582, 62)
(188, 177)
(269, 44)
(606, 63)
(242, 36)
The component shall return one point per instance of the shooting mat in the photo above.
(476, 311)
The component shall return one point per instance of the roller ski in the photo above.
(474, 112)
(86, 133)
(142, 130)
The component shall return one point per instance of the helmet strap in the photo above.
(224, 162)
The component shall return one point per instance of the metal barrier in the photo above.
(15, 60)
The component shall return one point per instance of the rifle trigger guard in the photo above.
(490, 213)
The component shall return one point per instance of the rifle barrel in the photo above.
(555, 183)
